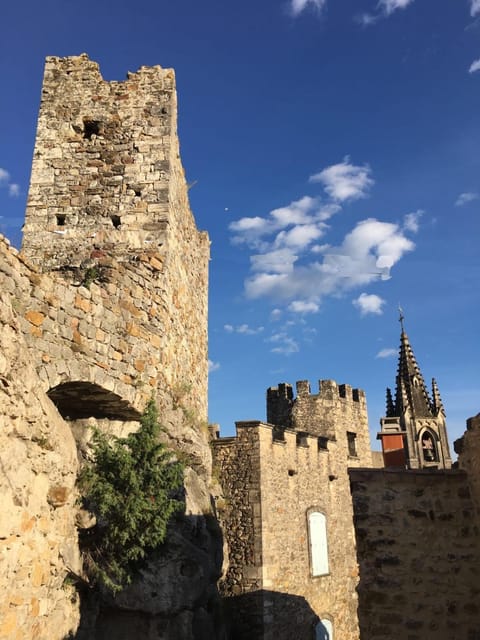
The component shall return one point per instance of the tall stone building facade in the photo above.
(289, 519)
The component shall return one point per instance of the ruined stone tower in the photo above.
(413, 432)
(108, 302)
(108, 204)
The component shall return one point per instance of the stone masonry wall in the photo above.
(418, 551)
(237, 465)
(38, 459)
(109, 295)
(272, 478)
(468, 449)
(297, 477)
(332, 413)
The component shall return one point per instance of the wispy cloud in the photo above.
(345, 181)
(411, 221)
(289, 265)
(303, 306)
(284, 344)
(213, 366)
(297, 6)
(386, 353)
(5, 181)
(384, 9)
(466, 197)
(474, 7)
(475, 66)
(295, 225)
(369, 304)
(366, 254)
(243, 329)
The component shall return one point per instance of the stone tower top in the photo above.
(106, 172)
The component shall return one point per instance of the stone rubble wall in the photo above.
(468, 449)
(418, 551)
(38, 458)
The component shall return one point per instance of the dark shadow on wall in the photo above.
(282, 615)
(175, 597)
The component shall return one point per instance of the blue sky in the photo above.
(334, 146)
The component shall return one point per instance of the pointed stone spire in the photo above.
(390, 405)
(411, 390)
(437, 404)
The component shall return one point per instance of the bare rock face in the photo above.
(38, 539)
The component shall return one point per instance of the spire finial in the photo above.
(401, 318)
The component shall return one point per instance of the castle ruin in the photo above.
(105, 306)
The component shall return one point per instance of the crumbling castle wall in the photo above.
(418, 551)
(110, 299)
(38, 459)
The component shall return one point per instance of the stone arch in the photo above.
(79, 399)
(429, 445)
(57, 373)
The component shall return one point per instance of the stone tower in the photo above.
(108, 203)
(413, 432)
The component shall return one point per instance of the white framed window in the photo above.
(317, 534)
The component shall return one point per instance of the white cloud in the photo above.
(475, 66)
(275, 315)
(389, 6)
(369, 303)
(243, 329)
(345, 181)
(13, 190)
(366, 254)
(296, 225)
(474, 7)
(285, 345)
(303, 306)
(384, 9)
(466, 197)
(213, 366)
(297, 6)
(386, 353)
(411, 221)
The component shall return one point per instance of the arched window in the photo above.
(429, 449)
(317, 533)
(324, 630)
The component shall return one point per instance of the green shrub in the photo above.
(132, 486)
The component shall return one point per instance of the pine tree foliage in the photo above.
(130, 486)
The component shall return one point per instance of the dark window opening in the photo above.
(352, 445)
(138, 193)
(116, 221)
(90, 128)
(292, 472)
(323, 443)
(61, 217)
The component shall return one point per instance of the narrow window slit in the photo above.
(116, 221)
(61, 218)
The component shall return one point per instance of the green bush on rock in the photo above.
(132, 486)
